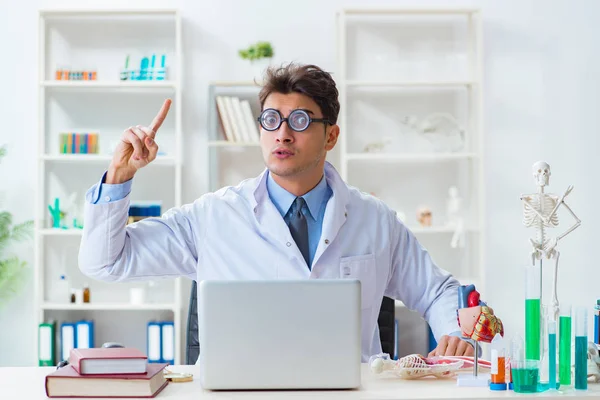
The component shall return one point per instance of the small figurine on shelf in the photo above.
(478, 324)
(424, 216)
(56, 214)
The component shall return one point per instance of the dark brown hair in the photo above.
(308, 80)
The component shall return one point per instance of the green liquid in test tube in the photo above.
(564, 345)
(581, 348)
(552, 355)
(532, 313)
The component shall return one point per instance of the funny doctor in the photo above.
(297, 220)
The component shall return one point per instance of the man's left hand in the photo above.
(452, 346)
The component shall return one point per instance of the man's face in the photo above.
(288, 153)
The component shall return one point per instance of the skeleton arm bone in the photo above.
(558, 203)
(549, 250)
(572, 228)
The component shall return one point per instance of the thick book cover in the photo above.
(66, 382)
(108, 361)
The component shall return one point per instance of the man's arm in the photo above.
(149, 249)
(153, 248)
(420, 284)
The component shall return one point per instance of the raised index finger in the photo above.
(160, 117)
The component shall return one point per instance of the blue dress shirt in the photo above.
(314, 210)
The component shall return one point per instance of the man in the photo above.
(297, 220)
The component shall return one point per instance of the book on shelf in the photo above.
(96, 361)
(66, 382)
(236, 120)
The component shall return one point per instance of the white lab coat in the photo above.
(237, 233)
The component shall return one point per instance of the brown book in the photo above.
(66, 382)
(108, 361)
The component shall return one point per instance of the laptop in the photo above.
(279, 334)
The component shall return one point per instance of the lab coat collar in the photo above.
(258, 193)
(335, 212)
(283, 199)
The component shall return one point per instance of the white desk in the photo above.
(28, 383)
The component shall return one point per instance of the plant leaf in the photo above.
(11, 277)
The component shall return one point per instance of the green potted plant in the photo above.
(11, 267)
(259, 54)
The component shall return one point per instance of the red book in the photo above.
(108, 361)
(66, 382)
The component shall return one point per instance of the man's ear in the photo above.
(332, 136)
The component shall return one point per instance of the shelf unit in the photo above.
(399, 63)
(101, 39)
(231, 162)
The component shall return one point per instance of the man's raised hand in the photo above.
(136, 149)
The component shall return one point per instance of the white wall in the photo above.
(542, 91)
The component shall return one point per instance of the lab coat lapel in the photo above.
(270, 223)
(336, 211)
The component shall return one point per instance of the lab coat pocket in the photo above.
(363, 269)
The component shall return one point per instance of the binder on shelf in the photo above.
(68, 339)
(153, 337)
(84, 335)
(46, 340)
(167, 337)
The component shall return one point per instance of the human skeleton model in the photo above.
(539, 212)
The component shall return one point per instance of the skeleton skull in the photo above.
(541, 173)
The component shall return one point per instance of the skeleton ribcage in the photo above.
(530, 218)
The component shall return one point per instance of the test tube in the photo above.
(498, 372)
(597, 322)
(581, 348)
(552, 354)
(532, 313)
(564, 345)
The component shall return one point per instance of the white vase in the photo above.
(259, 68)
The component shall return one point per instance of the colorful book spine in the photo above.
(78, 143)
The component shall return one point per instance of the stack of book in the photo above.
(107, 372)
(237, 121)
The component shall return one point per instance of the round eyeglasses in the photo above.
(298, 120)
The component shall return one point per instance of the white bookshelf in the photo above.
(100, 40)
(231, 161)
(396, 63)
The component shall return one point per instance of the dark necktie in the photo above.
(299, 228)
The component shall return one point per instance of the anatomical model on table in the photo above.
(539, 212)
(478, 324)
